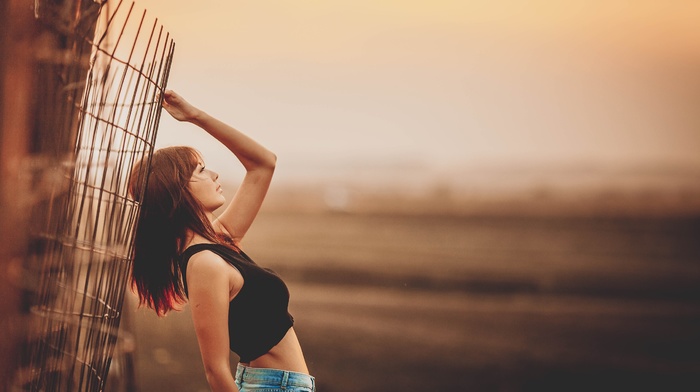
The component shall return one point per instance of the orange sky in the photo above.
(438, 84)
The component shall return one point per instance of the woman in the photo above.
(184, 252)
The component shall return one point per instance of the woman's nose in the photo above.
(214, 175)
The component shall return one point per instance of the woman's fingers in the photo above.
(169, 95)
(177, 107)
(170, 98)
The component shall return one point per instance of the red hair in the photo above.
(168, 212)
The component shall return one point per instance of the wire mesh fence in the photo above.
(100, 72)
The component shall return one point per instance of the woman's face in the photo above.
(205, 187)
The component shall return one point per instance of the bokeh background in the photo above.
(470, 195)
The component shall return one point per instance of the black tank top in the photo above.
(258, 317)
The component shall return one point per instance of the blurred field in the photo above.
(427, 303)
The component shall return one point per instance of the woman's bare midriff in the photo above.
(286, 355)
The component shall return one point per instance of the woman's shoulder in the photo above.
(206, 264)
(211, 253)
(205, 258)
(208, 272)
(197, 247)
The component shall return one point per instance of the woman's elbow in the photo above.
(271, 160)
(263, 163)
(216, 369)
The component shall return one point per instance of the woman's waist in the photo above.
(286, 355)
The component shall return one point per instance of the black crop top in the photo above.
(258, 317)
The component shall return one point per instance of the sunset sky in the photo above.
(437, 85)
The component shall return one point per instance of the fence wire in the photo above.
(97, 112)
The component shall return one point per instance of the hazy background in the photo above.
(420, 92)
(475, 195)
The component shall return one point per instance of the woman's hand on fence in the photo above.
(180, 109)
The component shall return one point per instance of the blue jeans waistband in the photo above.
(274, 378)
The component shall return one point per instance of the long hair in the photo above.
(168, 212)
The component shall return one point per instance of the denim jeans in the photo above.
(250, 379)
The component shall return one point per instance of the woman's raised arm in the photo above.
(258, 161)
